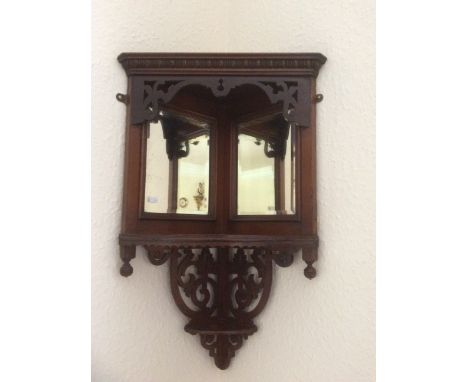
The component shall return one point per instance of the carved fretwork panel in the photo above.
(150, 93)
(221, 290)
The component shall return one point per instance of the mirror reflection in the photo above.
(266, 167)
(177, 166)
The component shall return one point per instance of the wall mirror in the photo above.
(177, 165)
(266, 166)
(220, 181)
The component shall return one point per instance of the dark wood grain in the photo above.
(221, 263)
(278, 64)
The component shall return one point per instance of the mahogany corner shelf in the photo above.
(220, 256)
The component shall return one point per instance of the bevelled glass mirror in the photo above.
(266, 167)
(177, 169)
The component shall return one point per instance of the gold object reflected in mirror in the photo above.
(177, 162)
(200, 197)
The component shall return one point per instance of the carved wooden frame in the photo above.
(220, 266)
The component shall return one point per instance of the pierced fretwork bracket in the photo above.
(220, 284)
(149, 93)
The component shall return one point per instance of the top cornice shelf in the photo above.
(275, 64)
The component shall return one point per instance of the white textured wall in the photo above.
(320, 330)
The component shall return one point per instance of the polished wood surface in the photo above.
(221, 263)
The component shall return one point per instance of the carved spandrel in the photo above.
(150, 93)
